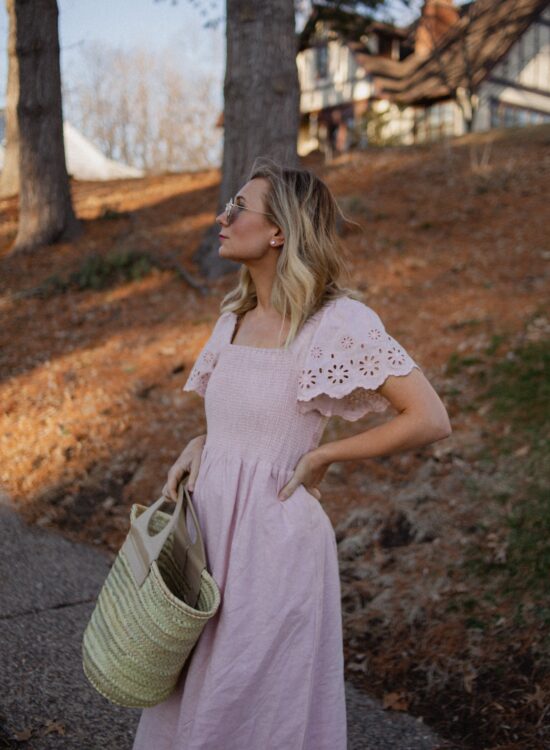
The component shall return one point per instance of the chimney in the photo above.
(436, 19)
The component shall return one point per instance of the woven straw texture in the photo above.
(138, 639)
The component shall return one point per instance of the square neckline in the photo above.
(254, 348)
(233, 318)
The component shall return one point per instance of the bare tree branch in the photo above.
(146, 109)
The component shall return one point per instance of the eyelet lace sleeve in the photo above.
(349, 357)
(206, 361)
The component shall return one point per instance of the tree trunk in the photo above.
(45, 209)
(261, 104)
(9, 177)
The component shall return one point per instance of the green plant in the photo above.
(496, 340)
(111, 213)
(520, 385)
(528, 557)
(518, 389)
(98, 271)
(53, 285)
(377, 124)
(456, 363)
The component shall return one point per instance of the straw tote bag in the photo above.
(152, 608)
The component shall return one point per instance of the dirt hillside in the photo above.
(444, 552)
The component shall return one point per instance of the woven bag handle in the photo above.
(141, 549)
(190, 556)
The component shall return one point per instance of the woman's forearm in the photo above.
(403, 432)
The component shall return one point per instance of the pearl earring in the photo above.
(272, 242)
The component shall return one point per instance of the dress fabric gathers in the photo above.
(268, 670)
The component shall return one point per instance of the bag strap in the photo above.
(141, 549)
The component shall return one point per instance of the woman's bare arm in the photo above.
(422, 419)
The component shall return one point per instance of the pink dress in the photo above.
(267, 672)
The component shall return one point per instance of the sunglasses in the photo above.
(230, 213)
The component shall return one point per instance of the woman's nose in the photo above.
(221, 218)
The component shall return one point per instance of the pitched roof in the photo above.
(383, 67)
(347, 24)
(465, 56)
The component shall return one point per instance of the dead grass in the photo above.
(450, 617)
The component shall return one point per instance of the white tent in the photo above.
(85, 161)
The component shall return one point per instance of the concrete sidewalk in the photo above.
(48, 588)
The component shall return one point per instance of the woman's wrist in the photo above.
(320, 456)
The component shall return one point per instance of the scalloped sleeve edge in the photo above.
(352, 401)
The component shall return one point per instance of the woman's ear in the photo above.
(277, 240)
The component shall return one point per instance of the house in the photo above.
(472, 67)
(84, 160)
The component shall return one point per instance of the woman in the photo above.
(290, 348)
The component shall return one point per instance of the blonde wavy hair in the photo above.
(312, 262)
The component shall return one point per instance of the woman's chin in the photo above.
(223, 252)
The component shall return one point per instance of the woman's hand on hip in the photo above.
(309, 471)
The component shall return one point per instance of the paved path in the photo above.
(48, 587)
